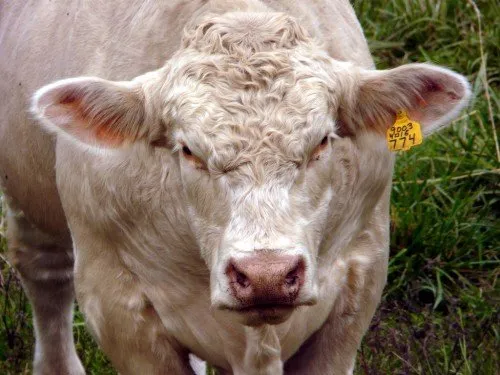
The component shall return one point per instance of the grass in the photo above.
(440, 311)
(439, 314)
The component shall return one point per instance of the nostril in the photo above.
(291, 279)
(296, 275)
(237, 277)
(242, 279)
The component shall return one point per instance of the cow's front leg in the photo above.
(45, 264)
(123, 321)
(332, 349)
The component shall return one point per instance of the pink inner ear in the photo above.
(70, 116)
(436, 100)
(69, 98)
(107, 138)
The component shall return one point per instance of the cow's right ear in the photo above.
(93, 110)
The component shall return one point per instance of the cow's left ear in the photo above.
(431, 95)
(93, 110)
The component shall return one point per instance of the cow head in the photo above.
(280, 148)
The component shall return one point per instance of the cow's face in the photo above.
(256, 171)
(280, 148)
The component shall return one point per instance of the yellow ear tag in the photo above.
(404, 134)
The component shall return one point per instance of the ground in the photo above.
(440, 311)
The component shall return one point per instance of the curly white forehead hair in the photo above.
(249, 89)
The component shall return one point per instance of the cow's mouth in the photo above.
(266, 314)
(257, 315)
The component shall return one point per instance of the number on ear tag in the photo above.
(404, 134)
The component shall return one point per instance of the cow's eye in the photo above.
(315, 155)
(188, 154)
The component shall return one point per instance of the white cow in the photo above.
(231, 202)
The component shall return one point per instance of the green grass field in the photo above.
(440, 311)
